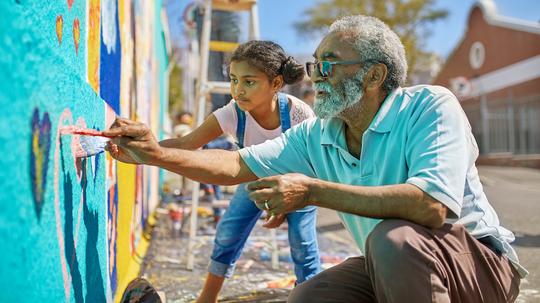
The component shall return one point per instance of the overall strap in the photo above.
(240, 125)
(284, 119)
(284, 116)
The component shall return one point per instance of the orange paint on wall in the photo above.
(59, 25)
(94, 41)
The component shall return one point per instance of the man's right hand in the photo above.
(132, 142)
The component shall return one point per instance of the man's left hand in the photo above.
(280, 194)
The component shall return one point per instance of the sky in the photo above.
(276, 19)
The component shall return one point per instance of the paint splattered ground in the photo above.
(254, 280)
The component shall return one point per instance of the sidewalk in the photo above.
(254, 279)
(515, 194)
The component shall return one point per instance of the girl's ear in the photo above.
(277, 83)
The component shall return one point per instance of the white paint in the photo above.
(108, 24)
(510, 75)
(477, 55)
(461, 87)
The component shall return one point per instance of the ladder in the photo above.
(205, 87)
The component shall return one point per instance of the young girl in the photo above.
(258, 112)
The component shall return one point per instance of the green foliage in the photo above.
(176, 94)
(408, 18)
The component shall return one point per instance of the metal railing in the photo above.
(508, 125)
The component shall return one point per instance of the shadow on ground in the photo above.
(525, 240)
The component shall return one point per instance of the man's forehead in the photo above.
(332, 46)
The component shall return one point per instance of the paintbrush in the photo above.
(86, 142)
(89, 132)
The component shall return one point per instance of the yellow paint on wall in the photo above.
(134, 268)
(94, 40)
(121, 11)
(126, 202)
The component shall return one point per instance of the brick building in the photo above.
(495, 72)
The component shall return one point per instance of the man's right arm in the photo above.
(134, 140)
(209, 166)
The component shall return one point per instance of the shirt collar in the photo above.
(386, 116)
(332, 132)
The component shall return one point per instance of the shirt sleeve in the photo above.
(284, 154)
(438, 150)
(227, 119)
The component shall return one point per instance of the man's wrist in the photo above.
(313, 190)
(159, 157)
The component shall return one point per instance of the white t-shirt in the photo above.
(254, 133)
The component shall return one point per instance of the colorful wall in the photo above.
(71, 229)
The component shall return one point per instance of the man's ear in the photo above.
(376, 76)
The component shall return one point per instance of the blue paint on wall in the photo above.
(94, 279)
(69, 239)
(110, 67)
(40, 146)
(53, 248)
(112, 216)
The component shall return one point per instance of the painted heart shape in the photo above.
(39, 157)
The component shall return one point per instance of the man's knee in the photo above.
(391, 237)
(301, 293)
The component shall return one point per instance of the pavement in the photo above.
(515, 195)
(513, 192)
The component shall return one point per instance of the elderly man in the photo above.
(396, 163)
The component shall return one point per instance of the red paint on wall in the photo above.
(76, 34)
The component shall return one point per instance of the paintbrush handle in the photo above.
(94, 133)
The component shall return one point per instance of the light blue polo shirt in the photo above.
(420, 136)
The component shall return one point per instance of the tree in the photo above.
(408, 18)
(176, 94)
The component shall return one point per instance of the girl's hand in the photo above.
(274, 221)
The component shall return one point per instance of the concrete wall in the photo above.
(71, 229)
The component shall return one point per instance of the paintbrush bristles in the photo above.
(92, 145)
(86, 142)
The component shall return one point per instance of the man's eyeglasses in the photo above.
(325, 67)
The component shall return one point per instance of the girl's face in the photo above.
(250, 87)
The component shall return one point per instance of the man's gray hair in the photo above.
(375, 42)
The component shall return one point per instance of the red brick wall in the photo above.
(503, 47)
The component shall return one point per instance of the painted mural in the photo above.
(71, 227)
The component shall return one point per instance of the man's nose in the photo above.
(316, 77)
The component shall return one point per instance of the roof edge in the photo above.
(489, 10)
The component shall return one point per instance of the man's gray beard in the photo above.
(348, 94)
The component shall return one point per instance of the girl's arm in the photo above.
(203, 134)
